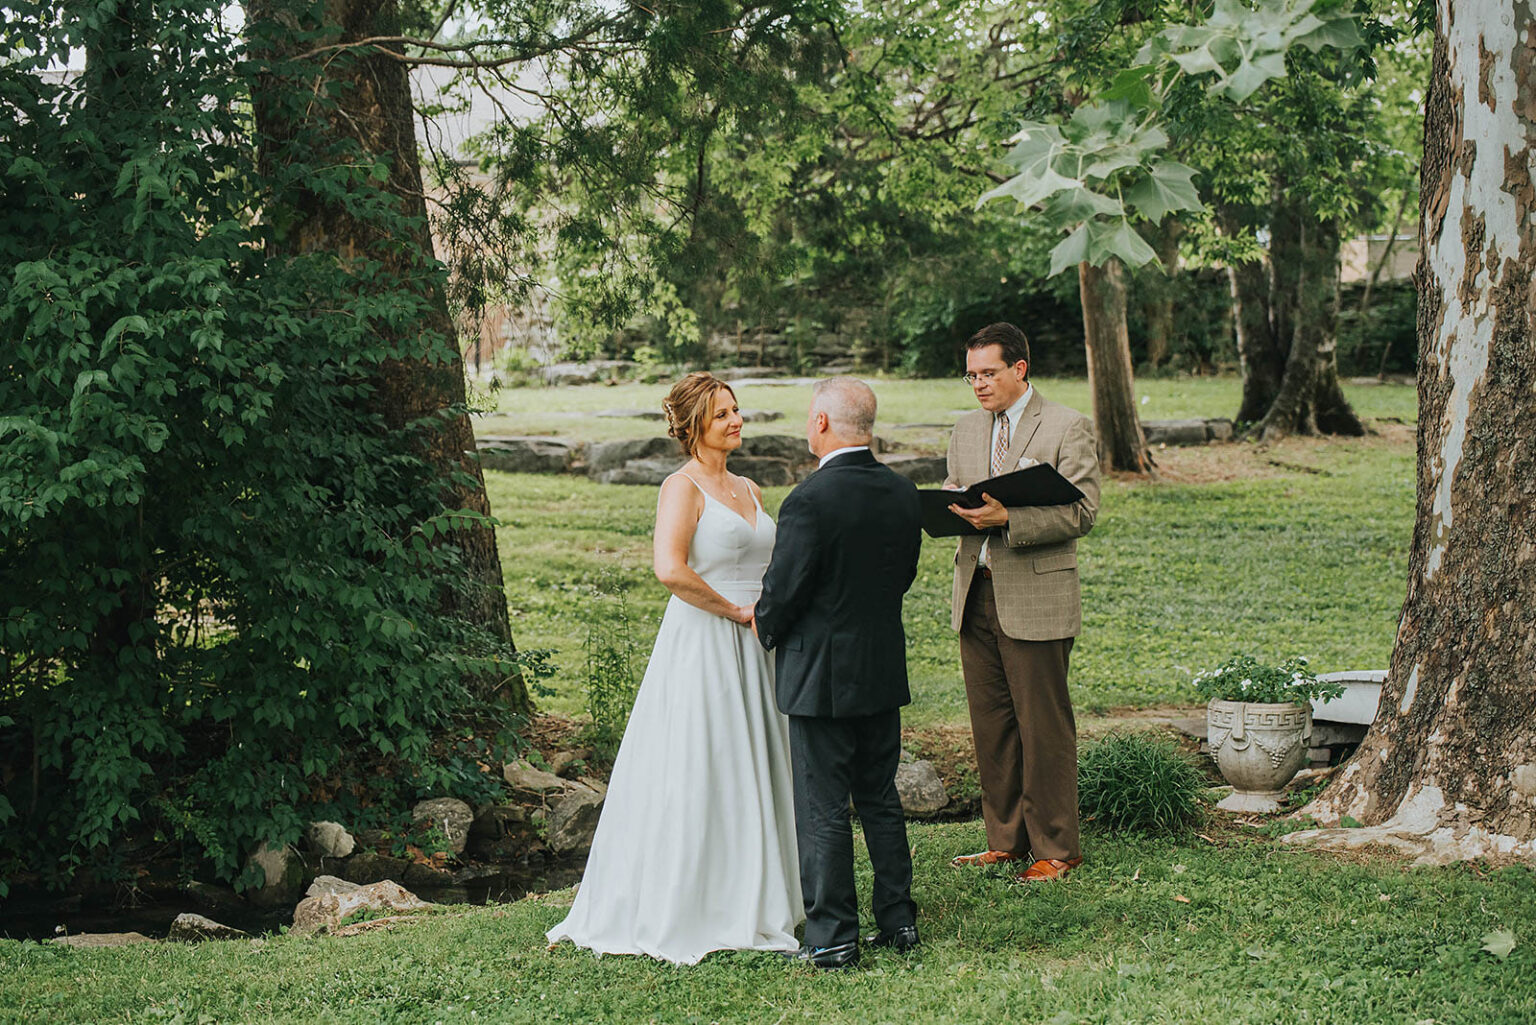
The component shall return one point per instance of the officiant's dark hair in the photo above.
(689, 404)
(1015, 345)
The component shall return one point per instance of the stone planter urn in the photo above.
(1258, 748)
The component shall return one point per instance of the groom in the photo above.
(846, 553)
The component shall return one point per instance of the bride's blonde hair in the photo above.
(688, 406)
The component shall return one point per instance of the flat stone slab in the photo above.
(631, 414)
(102, 939)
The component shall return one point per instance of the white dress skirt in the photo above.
(695, 847)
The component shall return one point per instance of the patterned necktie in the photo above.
(1000, 450)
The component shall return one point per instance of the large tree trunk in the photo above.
(1304, 262)
(1260, 355)
(1122, 445)
(371, 107)
(1161, 284)
(1449, 767)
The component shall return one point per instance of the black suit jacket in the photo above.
(846, 553)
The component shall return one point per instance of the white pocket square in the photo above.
(1025, 462)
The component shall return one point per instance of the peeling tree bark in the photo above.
(1122, 445)
(372, 108)
(1450, 763)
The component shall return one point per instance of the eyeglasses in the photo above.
(986, 375)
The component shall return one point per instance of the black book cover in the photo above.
(1040, 484)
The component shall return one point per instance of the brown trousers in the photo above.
(1024, 731)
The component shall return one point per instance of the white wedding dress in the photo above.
(695, 848)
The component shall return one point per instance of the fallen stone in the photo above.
(631, 414)
(523, 776)
(421, 877)
(919, 469)
(573, 820)
(329, 912)
(776, 446)
(921, 789)
(526, 455)
(563, 763)
(102, 939)
(766, 471)
(282, 874)
(369, 867)
(329, 840)
(495, 821)
(1174, 432)
(1219, 429)
(329, 885)
(610, 455)
(451, 815)
(190, 928)
(647, 472)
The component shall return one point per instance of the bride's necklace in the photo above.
(723, 483)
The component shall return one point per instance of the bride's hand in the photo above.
(744, 614)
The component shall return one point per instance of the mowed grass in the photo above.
(1148, 931)
(1295, 548)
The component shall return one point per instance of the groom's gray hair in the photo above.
(849, 404)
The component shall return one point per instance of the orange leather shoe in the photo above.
(984, 858)
(1047, 869)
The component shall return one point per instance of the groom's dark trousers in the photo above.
(846, 553)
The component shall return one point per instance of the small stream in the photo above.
(149, 906)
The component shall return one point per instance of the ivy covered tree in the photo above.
(233, 578)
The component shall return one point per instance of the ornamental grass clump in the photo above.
(1245, 678)
(1136, 781)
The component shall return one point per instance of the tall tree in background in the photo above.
(349, 51)
(1449, 766)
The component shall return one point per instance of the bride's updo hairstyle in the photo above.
(688, 407)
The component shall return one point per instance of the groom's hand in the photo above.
(991, 513)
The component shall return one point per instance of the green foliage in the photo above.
(610, 666)
(1245, 678)
(1137, 781)
(1088, 174)
(223, 572)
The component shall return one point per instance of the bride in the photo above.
(695, 849)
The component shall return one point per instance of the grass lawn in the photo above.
(1294, 548)
(1298, 547)
(1149, 931)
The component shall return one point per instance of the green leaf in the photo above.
(1118, 240)
(1132, 86)
(1070, 251)
(1072, 206)
(1251, 75)
(1499, 943)
(1168, 186)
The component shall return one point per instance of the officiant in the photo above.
(1017, 607)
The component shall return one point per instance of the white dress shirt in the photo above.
(1014, 412)
(840, 451)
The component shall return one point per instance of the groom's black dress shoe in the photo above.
(844, 955)
(901, 939)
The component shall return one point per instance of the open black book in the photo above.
(1034, 485)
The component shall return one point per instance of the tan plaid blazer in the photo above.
(1034, 561)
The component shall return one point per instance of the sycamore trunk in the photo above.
(1452, 754)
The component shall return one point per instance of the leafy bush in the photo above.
(1245, 678)
(223, 573)
(1138, 781)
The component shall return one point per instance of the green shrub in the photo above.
(223, 573)
(1138, 781)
